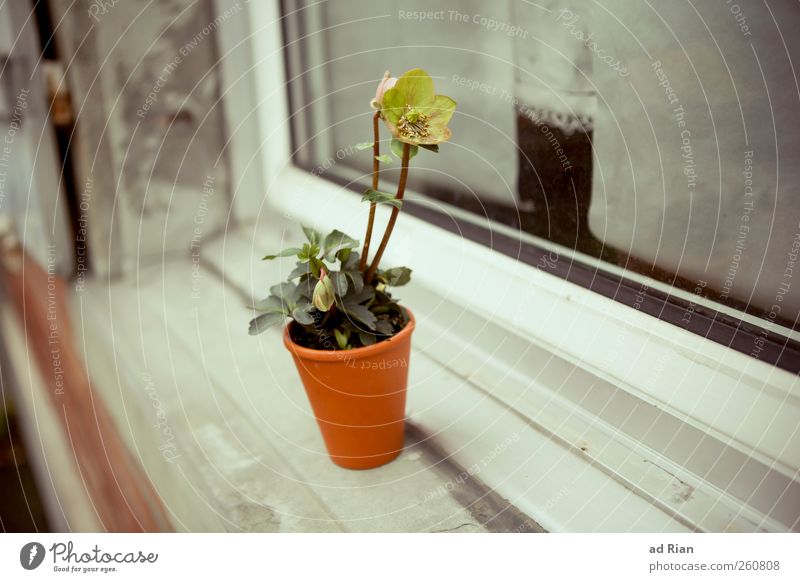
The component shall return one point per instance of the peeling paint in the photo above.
(146, 85)
(681, 491)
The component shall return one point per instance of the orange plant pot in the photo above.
(358, 397)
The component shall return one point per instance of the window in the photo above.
(645, 167)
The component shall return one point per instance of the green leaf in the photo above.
(343, 255)
(352, 306)
(312, 235)
(316, 266)
(283, 253)
(298, 298)
(300, 269)
(384, 327)
(264, 322)
(339, 282)
(336, 241)
(271, 304)
(396, 276)
(431, 147)
(308, 252)
(364, 145)
(351, 262)
(357, 279)
(285, 292)
(362, 314)
(397, 149)
(350, 268)
(366, 338)
(376, 197)
(358, 296)
(385, 158)
(341, 338)
(302, 316)
(305, 290)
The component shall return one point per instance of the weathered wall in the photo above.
(150, 133)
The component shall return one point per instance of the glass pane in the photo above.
(646, 137)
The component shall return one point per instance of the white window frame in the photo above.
(687, 376)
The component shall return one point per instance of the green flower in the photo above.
(413, 113)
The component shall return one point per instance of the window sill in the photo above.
(673, 417)
(221, 426)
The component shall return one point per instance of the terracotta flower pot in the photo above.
(358, 397)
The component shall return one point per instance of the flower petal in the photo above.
(437, 124)
(393, 105)
(416, 87)
(386, 83)
(437, 135)
(441, 110)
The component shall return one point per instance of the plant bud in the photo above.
(323, 296)
(386, 83)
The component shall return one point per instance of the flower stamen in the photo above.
(413, 124)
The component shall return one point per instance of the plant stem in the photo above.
(376, 165)
(401, 189)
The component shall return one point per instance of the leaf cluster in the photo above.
(361, 315)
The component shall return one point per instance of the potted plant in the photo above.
(349, 337)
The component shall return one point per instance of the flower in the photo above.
(413, 113)
(386, 83)
(323, 296)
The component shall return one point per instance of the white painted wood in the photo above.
(242, 115)
(746, 403)
(534, 471)
(270, 92)
(623, 437)
(134, 402)
(652, 455)
(225, 474)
